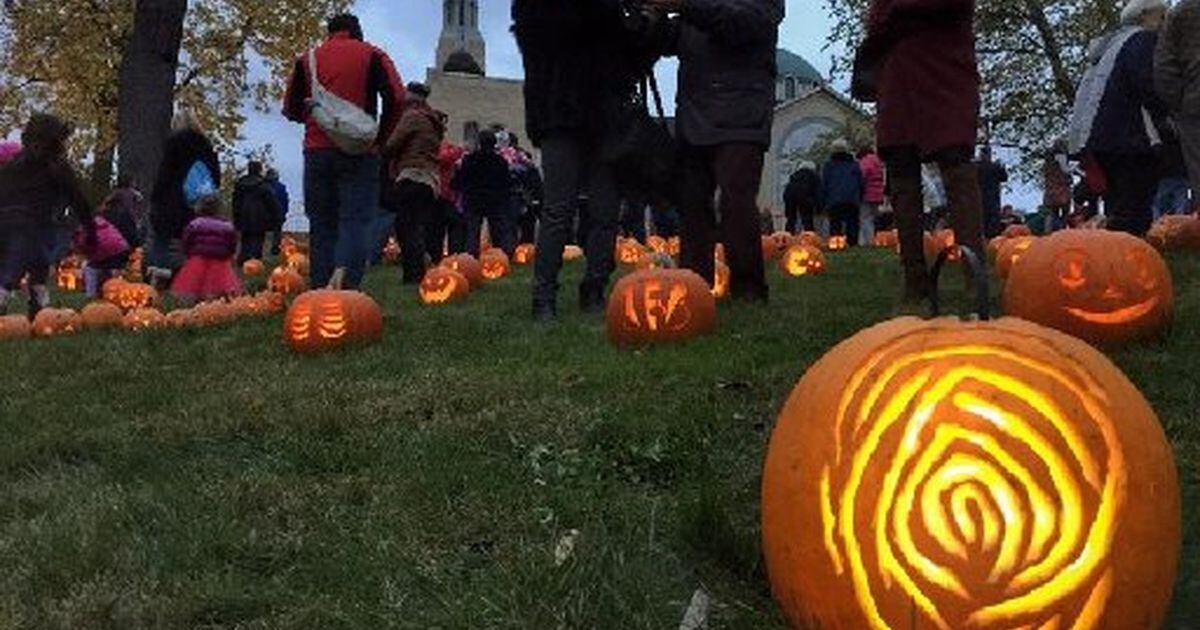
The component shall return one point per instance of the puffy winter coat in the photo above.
(874, 178)
(841, 181)
(210, 237)
(1177, 61)
(256, 209)
(169, 211)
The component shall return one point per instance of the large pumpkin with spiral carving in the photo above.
(327, 319)
(947, 474)
(1103, 287)
(660, 306)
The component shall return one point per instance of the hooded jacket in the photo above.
(415, 143)
(169, 211)
(256, 209)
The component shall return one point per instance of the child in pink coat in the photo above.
(209, 242)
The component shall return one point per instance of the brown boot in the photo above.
(966, 205)
(908, 204)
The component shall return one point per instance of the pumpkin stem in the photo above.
(337, 279)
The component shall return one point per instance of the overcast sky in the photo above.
(408, 30)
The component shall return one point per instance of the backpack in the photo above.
(351, 129)
(198, 184)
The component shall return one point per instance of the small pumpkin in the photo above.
(298, 262)
(327, 319)
(15, 327)
(887, 239)
(99, 315)
(812, 239)
(253, 268)
(111, 289)
(674, 246)
(837, 243)
(69, 276)
(943, 240)
(468, 266)
(134, 295)
(770, 249)
(286, 281)
(494, 264)
(1010, 253)
(1176, 233)
(55, 322)
(144, 319)
(572, 253)
(524, 254)
(802, 260)
(629, 251)
(182, 318)
(443, 285)
(660, 306)
(721, 277)
(1103, 287)
(783, 240)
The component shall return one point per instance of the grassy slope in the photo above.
(210, 479)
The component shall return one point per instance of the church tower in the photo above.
(461, 42)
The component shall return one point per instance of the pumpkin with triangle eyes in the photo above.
(468, 266)
(494, 264)
(1103, 287)
(802, 260)
(660, 306)
(443, 285)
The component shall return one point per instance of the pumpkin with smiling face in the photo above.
(802, 260)
(443, 285)
(660, 306)
(494, 264)
(1103, 287)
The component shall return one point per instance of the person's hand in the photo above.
(664, 6)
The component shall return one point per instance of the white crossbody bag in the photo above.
(350, 128)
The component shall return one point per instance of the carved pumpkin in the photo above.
(660, 306)
(837, 243)
(466, 265)
(783, 240)
(802, 260)
(298, 262)
(182, 318)
(524, 254)
(629, 251)
(69, 276)
(443, 286)
(572, 253)
(657, 244)
(53, 322)
(655, 260)
(253, 268)
(1010, 253)
(15, 327)
(144, 319)
(887, 239)
(99, 315)
(132, 295)
(1014, 231)
(1103, 287)
(286, 281)
(944, 474)
(213, 313)
(721, 275)
(994, 245)
(328, 319)
(111, 289)
(674, 246)
(812, 239)
(494, 265)
(770, 249)
(1176, 233)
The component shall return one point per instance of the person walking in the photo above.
(725, 108)
(802, 198)
(285, 202)
(918, 63)
(453, 227)
(256, 211)
(188, 160)
(413, 151)
(342, 178)
(485, 183)
(842, 192)
(1118, 115)
(209, 244)
(992, 177)
(874, 194)
(582, 61)
(1177, 77)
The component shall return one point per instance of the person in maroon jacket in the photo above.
(341, 191)
(919, 57)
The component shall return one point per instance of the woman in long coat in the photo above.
(919, 58)
(169, 210)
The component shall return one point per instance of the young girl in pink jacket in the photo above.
(209, 242)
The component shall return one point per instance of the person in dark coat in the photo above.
(921, 54)
(1177, 77)
(725, 108)
(127, 200)
(842, 190)
(285, 202)
(992, 177)
(35, 187)
(413, 154)
(582, 62)
(802, 198)
(1118, 115)
(169, 210)
(485, 182)
(256, 211)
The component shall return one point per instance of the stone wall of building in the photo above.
(481, 100)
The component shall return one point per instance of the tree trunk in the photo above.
(147, 87)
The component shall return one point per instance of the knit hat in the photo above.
(841, 145)
(1135, 9)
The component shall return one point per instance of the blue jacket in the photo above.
(281, 195)
(841, 181)
(1120, 126)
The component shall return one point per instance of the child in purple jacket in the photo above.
(209, 242)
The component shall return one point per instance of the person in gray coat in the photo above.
(725, 107)
(1177, 77)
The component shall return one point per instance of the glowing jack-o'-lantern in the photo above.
(99, 315)
(1010, 253)
(1103, 287)
(494, 265)
(54, 322)
(660, 306)
(572, 253)
(524, 254)
(443, 286)
(1015, 231)
(802, 260)
(144, 319)
(944, 474)
(629, 251)
(286, 281)
(837, 243)
(657, 244)
(253, 268)
(783, 240)
(812, 239)
(111, 289)
(674, 246)
(721, 276)
(655, 260)
(329, 318)
(131, 295)
(69, 276)
(14, 327)
(887, 239)
(466, 265)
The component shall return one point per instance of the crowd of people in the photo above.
(378, 162)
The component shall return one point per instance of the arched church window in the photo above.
(789, 88)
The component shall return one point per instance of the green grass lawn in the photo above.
(211, 479)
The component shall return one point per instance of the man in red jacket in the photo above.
(341, 190)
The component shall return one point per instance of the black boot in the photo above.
(909, 210)
(591, 299)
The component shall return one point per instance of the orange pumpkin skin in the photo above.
(54, 322)
(1176, 233)
(629, 251)
(286, 281)
(1103, 287)
(783, 240)
(1014, 231)
(674, 246)
(443, 286)
(468, 266)
(144, 319)
(721, 276)
(327, 319)
(494, 265)
(770, 249)
(1010, 254)
(994, 245)
(812, 239)
(131, 295)
(524, 254)
(887, 239)
(571, 253)
(275, 302)
(182, 318)
(253, 268)
(100, 315)
(658, 244)
(213, 313)
(837, 243)
(1003, 475)
(15, 327)
(660, 306)
(719, 252)
(802, 260)
(111, 289)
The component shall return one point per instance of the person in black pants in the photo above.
(256, 211)
(485, 183)
(413, 150)
(842, 192)
(801, 199)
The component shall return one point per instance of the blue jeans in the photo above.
(1172, 197)
(341, 199)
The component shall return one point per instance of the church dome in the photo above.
(796, 67)
(462, 61)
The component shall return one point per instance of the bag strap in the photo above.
(314, 79)
(976, 272)
(658, 103)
